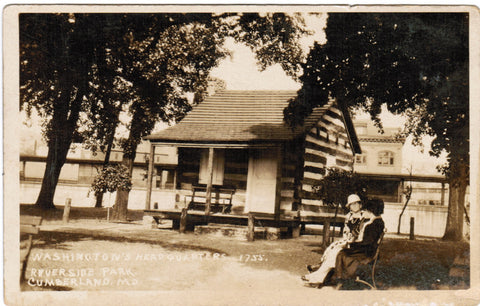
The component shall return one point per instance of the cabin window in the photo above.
(218, 167)
(386, 158)
(360, 159)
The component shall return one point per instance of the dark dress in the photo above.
(354, 231)
(359, 252)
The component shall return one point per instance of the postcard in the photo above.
(241, 154)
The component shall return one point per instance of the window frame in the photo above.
(363, 158)
(386, 158)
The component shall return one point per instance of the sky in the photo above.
(242, 63)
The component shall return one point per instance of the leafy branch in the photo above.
(110, 179)
(335, 187)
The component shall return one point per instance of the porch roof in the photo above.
(239, 117)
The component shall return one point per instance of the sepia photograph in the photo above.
(240, 155)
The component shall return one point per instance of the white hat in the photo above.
(352, 199)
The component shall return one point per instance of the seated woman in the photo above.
(355, 240)
(361, 251)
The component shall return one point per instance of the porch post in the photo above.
(208, 194)
(278, 185)
(150, 177)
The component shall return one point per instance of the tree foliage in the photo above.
(415, 64)
(179, 60)
(338, 184)
(92, 66)
(55, 61)
(110, 179)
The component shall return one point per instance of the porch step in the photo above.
(238, 231)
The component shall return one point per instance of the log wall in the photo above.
(326, 146)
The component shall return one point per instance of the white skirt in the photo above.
(328, 262)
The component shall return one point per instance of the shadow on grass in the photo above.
(57, 240)
(76, 213)
(422, 265)
(412, 264)
(316, 248)
(60, 240)
(403, 264)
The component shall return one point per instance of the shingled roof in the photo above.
(239, 117)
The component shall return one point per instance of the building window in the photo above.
(385, 158)
(360, 159)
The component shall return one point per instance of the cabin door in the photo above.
(262, 180)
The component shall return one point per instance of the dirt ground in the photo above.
(92, 254)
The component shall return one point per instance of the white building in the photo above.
(82, 166)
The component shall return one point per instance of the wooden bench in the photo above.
(221, 200)
(29, 225)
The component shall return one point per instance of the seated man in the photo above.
(361, 228)
(362, 250)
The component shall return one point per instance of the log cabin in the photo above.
(236, 155)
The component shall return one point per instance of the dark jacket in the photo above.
(367, 241)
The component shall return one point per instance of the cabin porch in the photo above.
(282, 226)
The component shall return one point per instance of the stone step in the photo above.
(239, 232)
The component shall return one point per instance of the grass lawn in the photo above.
(163, 259)
(420, 264)
(76, 213)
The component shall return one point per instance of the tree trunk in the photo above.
(106, 161)
(99, 200)
(63, 124)
(456, 199)
(57, 155)
(120, 209)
